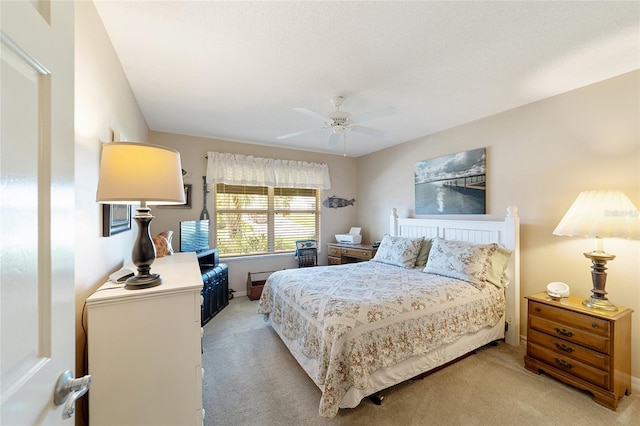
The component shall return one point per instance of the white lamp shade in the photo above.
(603, 214)
(131, 173)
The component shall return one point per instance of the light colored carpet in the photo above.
(251, 379)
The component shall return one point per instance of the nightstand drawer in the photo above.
(571, 334)
(570, 366)
(585, 322)
(360, 254)
(333, 260)
(566, 348)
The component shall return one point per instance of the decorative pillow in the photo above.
(162, 241)
(399, 251)
(499, 263)
(474, 263)
(421, 260)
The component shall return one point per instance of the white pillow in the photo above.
(474, 263)
(399, 251)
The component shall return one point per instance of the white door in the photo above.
(36, 208)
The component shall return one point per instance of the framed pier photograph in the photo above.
(452, 184)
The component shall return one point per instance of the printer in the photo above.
(353, 237)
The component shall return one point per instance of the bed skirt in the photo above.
(389, 376)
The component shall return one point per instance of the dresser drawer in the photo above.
(333, 260)
(575, 368)
(360, 254)
(574, 319)
(570, 334)
(567, 348)
(333, 251)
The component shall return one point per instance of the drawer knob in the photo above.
(594, 325)
(564, 332)
(564, 348)
(563, 363)
(537, 309)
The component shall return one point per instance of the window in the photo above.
(253, 220)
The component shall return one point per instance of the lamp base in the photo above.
(598, 299)
(139, 282)
(143, 253)
(602, 304)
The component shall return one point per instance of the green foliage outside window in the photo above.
(262, 220)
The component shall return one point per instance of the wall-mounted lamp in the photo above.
(600, 214)
(138, 173)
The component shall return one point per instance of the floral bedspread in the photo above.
(353, 319)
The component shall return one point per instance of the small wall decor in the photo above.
(453, 184)
(116, 218)
(336, 202)
(187, 198)
(204, 214)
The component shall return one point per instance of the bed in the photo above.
(359, 328)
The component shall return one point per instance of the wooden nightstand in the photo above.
(586, 348)
(338, 254)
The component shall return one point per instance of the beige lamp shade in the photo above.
(132, 173)
(601, 214)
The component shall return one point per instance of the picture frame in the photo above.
(187, 198)
(451, 184)
(116, 218)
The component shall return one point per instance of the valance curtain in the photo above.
(235, 169)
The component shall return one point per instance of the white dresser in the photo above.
(145, 349)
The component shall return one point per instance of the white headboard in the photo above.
(506, 233)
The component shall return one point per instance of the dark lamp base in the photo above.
(143, 253)
(598, 299)
(139, 282)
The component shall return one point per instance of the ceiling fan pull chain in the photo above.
(344, 145)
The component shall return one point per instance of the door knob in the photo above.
(69, 390)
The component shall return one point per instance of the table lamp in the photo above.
(138, 173)
(600, 214)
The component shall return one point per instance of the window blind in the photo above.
(252, 220)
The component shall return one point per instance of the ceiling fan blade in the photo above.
(372, 115)
(290, 135)
(334, 140)
(311, 113)
(374, 133)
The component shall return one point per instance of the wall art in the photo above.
(336, 202)
(453, 184)
(116, 218)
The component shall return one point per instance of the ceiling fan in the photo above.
(339, 122)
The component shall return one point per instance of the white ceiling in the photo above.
(234, 70)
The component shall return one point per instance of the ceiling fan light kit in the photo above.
(339, 122)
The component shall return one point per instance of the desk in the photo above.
(340, 253)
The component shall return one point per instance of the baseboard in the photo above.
(239, 293)
(635, 381)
